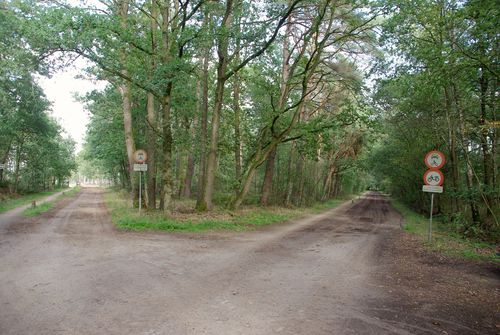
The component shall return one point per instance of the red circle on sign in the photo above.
(433, 177)
(434, 159)
(140, 156)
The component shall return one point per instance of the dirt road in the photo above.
(70, 272)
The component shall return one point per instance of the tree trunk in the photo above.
(237, 114)
(151, 148)
(487, 161)
(203, 124)
(469, 172)
(247, 183)
(129, 136)
(289, 187)
(185, 190)
(237, 133)
(299, 185)
(126, 104)
(151, 120)
(186, 187)
(18, 164)
(285, 74)
(268, 179)
(4, 159)
(452, 137)
(222, 51)
(167, 180)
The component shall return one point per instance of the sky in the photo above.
(60, 89)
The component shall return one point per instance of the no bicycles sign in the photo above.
(433, 179)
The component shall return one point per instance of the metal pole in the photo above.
(430, 218)
(140, 191)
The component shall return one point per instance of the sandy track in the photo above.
(69, 272)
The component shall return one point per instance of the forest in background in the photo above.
(264, 102)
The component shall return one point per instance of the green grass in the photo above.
(46, 206)
(6, 205)
(444, 239)
(247, 218)
(34, 211)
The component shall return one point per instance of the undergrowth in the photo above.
(445, 239)
(8, 204)
(48, 205)
(181, 219)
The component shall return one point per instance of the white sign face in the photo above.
(432, 189)
(2, 166)
(433, 178)
(140, 156)
(140, 167)
(434, 159)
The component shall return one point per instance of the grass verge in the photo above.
(46, 206)
(444, 239)
(247, 218)
(8, 204)
(34, 211)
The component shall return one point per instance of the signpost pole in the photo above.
(140, 157)
(140, 191)
(430, 218)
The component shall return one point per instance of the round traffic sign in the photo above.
(140, 156)
(434, 159)
(433, 178)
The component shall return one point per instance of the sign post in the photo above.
(140, 156)
(433, 180)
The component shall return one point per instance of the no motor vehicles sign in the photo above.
(434, 159)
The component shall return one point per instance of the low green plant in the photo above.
(446, 239)
(247, 218)
(34, 211)
(6, 205)
(46, 206)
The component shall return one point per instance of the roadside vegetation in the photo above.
(48, 205)
(185, 219)
(11, 201)
(447, 240)
(441, 94)
(257, 104)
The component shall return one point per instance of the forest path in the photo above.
(69, 272)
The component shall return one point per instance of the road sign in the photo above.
(434, 159)
(2, 166)
(433, 178)
(140, 156)
(140, 167)
(432, 189)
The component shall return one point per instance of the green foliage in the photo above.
(127, 218)
(446, 239)
(48, 205)
(34, 211)
(37, 156)
(437, 89)
(11, 203)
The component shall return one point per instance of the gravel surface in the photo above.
(69, 271)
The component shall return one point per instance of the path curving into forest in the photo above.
(69, 272)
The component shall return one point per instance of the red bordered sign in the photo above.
(433, 178)
(140, 156)
(434, 159)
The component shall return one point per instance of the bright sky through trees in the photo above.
(60, 90)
